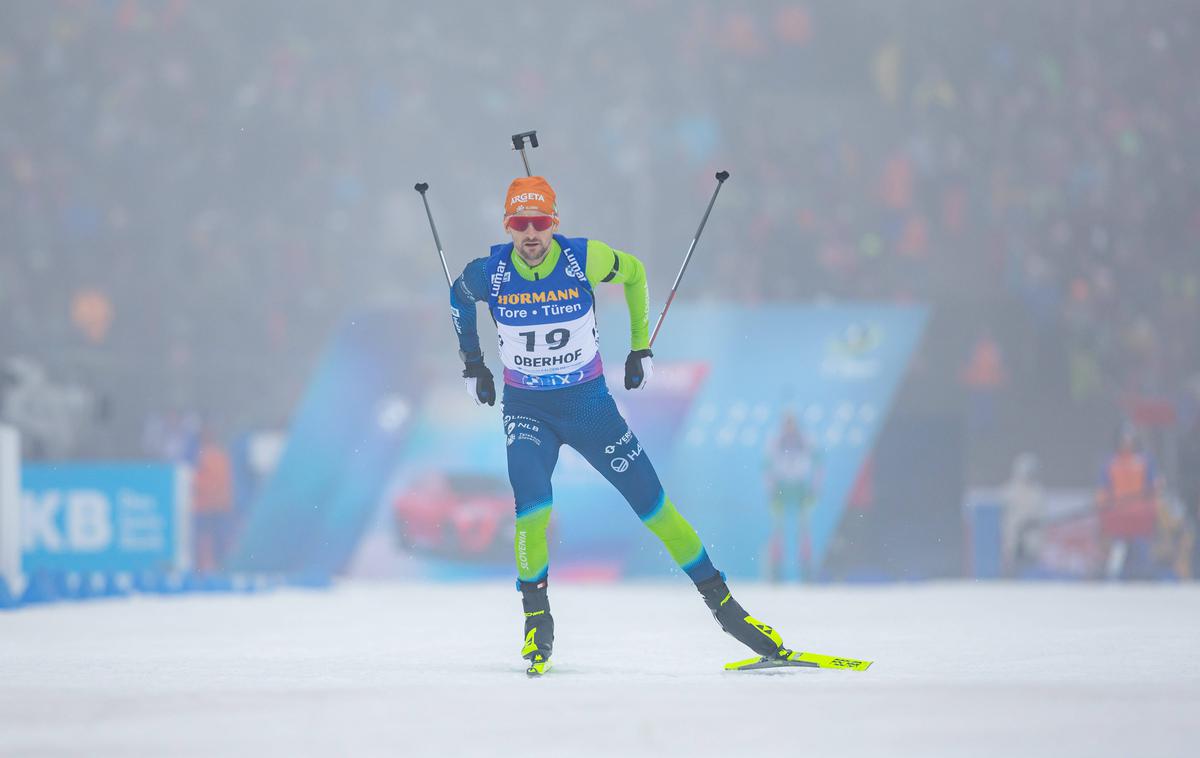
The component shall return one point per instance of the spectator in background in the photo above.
(793, 478)
(92, 314)
(984, 376)
(1189, 493)
(172, 436)
(1128, 506)
(254, 457)
(50, 415)
(212, 504)
(1024, 504)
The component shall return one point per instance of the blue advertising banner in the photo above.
(343, 444)
(391, 470)
(728, 380)
(832, 369)
(103, 517)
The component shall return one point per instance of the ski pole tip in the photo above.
(722, 176)
(421, 187)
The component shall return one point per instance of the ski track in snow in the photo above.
(419, 669)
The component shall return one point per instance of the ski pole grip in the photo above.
(722, 176)
(421, 187)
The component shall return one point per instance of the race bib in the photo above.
(549, 348)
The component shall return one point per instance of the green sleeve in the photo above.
(627, 270)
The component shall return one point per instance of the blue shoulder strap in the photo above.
(496, 266)
(575, 251)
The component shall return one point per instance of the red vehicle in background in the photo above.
(460, 516)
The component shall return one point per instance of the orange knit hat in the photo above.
(529, 193)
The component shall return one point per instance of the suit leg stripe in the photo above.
(524, 511)
(693, 563)
(658, 506)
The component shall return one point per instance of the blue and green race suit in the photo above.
(554, 388)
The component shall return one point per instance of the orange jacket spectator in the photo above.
(212, 487)
(985, 367)
(1127, 498)
(1128, 476)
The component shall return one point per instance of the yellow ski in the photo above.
(793, 658)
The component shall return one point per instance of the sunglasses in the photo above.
(521, 223)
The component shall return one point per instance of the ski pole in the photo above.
(422, 187)
(518, 141)
(721, 177)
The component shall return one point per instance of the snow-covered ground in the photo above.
(393, 669)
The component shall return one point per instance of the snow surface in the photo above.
(418, 669)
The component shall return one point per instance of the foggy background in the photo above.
(942, 325)
(193, 194)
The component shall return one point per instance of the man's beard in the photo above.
(535, 252)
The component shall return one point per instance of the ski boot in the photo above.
(539, 627)
(738, 624)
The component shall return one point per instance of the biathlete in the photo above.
(538, 288)
(793, 473)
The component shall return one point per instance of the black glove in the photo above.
(480, 385)
(638, 369)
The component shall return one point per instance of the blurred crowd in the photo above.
(193, 193)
